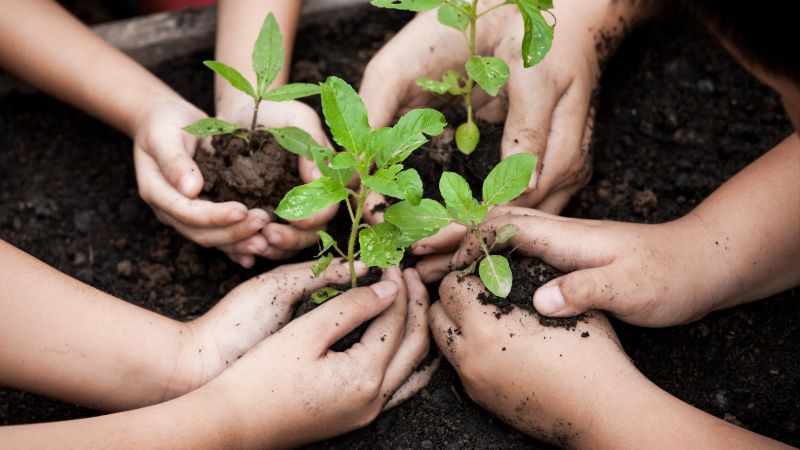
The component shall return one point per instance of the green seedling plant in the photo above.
(507, 181)
(490, 73)
(373, 156)
(267, 63)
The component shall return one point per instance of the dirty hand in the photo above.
(647, 275)
(169, 181)
(282, 241)
(546, 108)
(320, 393)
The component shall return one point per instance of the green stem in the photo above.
(479, 236)
(351, 244)
(500, 5)
(473, 21)
(255, 114)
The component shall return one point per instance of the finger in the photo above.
(446, 240)
(160, 195)
(557, 201)
(276, 254)
(215, 237)
(254, 245)
(414, 346)
(172, 151)
(374, 208)
(287, 237)
(446, 333)
(337, 317)
(577, 292)
(415, 383)
(246, 261)
(384, 335)
(434, 267)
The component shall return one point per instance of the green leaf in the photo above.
(324, 157)
(379, 245)
(292, 91)
(344, 160)
(451, 84)
(450, 15)
(407, 135)
(489, 72)
(303, 201)
(505, 233)
(321, 264)
(417, 222)
(405, 185)
(411, 184)
(233, 76)
(322, 295)
(408, 5)
(267, 55)
(327, 241)
(467, 137)
(294, 140)
(508, 179)
(538, 37)
(496, 275)
(210, 127)
(458, 198)
(345, 114)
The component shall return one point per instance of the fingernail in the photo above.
(548, 300)
(187, 184)
(275, 239)
(236, 215)
(385, 289)
(257, 224)
(360, 267)
(420, 250)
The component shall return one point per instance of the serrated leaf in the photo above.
(345, 114)
(450, 84)
(233, 76)
(292, 91)
(267, 54)
(405, 185)
(324, 158)
(544, 4)
(450, 15)
(322, 295)
(496, 275)
(411, 184)
(294, 140)
(408, 5)
(326, 241)
(505, 233)
(508, 179)
(210, 126)
(538, 37)
(489, 72)
(417, 221)
(458, 198)
(407, 135)
(321, 264)
(303, 201)
(379, 245)
(344, 160)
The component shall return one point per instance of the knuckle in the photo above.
(579, 289)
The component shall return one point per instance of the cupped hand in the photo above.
(170, 181)
(284, 241)
(292, 389)
(648, 275)
(548, 382)
(546, 108)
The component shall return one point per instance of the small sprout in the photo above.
(505, 233)
(490, 73)
(321, 295)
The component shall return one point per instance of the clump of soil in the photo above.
(306, 306)
(256, 172)
(529, 274)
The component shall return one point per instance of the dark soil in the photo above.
(256, 172)
(676, 117)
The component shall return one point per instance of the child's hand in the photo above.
(650, 275)
(285, 240)
(291, 389)
(169, 181)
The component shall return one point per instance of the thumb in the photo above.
(575, 293)
(346, 312)
(171, 153)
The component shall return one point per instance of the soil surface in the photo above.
(676, 117)
(257, 172)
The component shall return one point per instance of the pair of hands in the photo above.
(266, 363)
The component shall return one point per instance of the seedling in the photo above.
(376, 157)
(488, 72)
(504, 183)
(267, 64)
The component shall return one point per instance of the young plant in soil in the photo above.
(373, 156)
(504, 183)
(490, 73)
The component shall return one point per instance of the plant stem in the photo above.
(487, 11)
(351, 244)
(479, 236)
(255, 114)
(473, 21)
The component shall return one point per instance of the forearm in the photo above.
(751, 224)
(64, 339)
(44, 45)
(238, 24)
